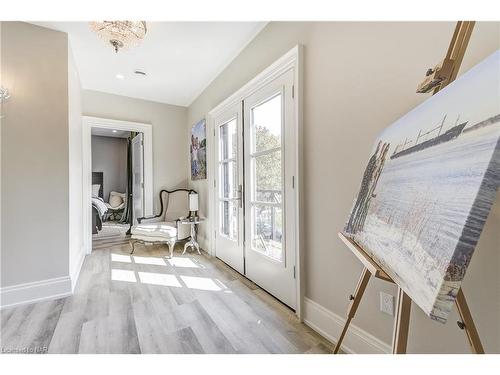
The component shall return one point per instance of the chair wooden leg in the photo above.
(132, 245)
(171, 246)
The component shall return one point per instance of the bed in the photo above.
(99, 208)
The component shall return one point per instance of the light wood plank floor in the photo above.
(147, 303)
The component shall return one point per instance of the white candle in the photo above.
(193, 202)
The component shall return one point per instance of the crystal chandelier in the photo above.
(120, 34)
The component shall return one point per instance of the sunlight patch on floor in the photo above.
(149, 260)
(159, 279)
(182, 263)
(202, 283)
(123, 275)
(120, 258)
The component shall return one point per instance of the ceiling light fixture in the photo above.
(115, 131)
(120, 34)
(120, 76)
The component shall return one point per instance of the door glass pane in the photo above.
(229, 219)
(268, 179)
(266, 125)
(228, 140)
(267, 231)
(228, 179)
(266, 175)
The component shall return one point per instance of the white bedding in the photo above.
(100, 206)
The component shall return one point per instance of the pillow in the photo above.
(119, 194)
(95, 190)
(115, 199)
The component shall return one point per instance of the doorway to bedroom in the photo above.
(117, 179)
(111, 162)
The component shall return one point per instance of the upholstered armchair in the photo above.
(165, 227)
(115, 205)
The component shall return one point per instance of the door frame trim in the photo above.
(89, 122)
(293, 59)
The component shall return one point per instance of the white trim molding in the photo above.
(103, 123)
(293, 59)
(287, 61)
(75, 272)
(329, 325)
(38, 291)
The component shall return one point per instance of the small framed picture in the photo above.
(198, 151)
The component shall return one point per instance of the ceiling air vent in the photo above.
(140, 73)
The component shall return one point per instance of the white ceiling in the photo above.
(102, 132)
(180, 58)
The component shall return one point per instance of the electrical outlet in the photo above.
(387, 303)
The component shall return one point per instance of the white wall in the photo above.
(169, 154)
(76, 250)
(358, 79)
(35, 167)
(109, 155)
(42, 249)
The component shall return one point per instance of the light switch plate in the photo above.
(387, 303)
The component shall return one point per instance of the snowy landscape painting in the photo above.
(428, 187)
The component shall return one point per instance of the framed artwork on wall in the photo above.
(198, 151)
(428, 188)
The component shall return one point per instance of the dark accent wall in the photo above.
(109, 155)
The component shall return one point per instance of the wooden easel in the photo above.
(435, 80)
(446, 71)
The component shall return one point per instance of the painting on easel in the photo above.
(428, 188)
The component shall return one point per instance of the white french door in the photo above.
(269, 199)
(229, 188)
(138, 176)
(255, 206)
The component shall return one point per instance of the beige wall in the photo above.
(169, 154)
(35, 178)
(358, 79)
(76, 251)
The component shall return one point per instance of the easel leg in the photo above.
(353, 306)
(468, 324)
(402, 323)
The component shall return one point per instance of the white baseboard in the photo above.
(75, 272)
(329, 325)
(38, 291)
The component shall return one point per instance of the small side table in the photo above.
(193, 221)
